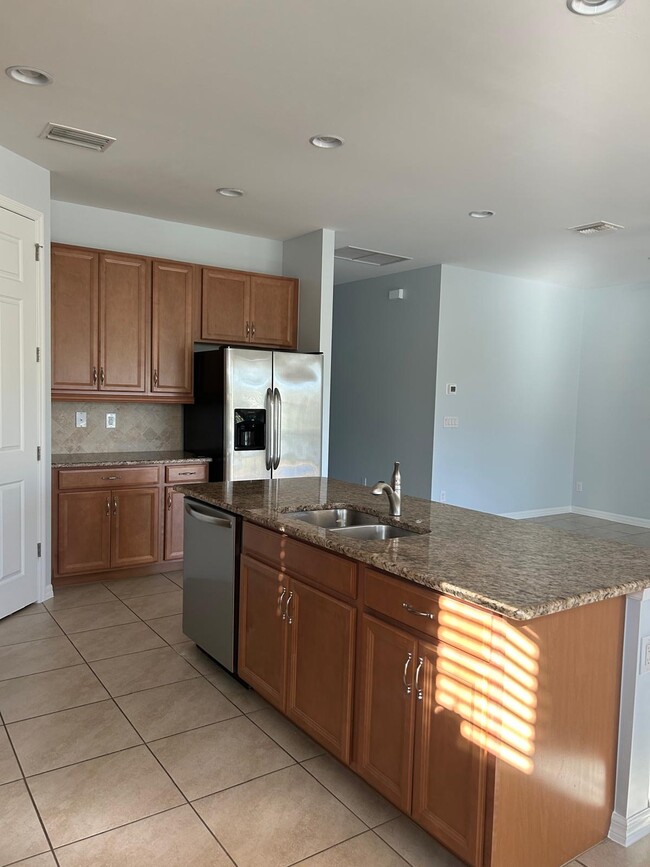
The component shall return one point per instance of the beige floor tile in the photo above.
(48, 692)
(160, 605)
(217, 756)
(84, 594)
(247, 700)
(415, 845)
(169, 628)
(128, 588)
(196, 657)
(176, 838)
(296, 743)
(278, 819)
(116, 641)
(176, 577)
(101, 794)
(610, 854)
(21, 834)
(9, 769)
(367, 850)
(34, 608)
(124, 674)
(90, 617)
(53, 741)
(45, 860)
(177, 707)
(17, 660)
(16, 630)
(364, 802)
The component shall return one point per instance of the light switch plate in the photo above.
(80, 419)
(645, 655)
(111, 420)
(451, 421)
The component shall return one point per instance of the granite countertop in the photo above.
(124, 459)
(515, 568)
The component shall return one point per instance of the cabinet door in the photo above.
(174, 512)
(450, 771)
(123, 323)
(135, 528)
(225, 300)
(274, 311)
(84, 532)
(75, 363)
(321, 666)
(385, 723)
(262, 630)
(171, 328)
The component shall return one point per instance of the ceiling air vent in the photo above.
(80, 137)
(594, 228)
(368, 257)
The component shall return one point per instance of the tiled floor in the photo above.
(123, 745)
(597, 528)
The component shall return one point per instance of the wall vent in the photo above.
(80, 137)
(368, 257)
(594, 228)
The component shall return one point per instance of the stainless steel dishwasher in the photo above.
(210, 592)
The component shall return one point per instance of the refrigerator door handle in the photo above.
(277, 412)
(270, 424)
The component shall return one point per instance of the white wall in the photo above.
(512, 347)
(311, 258)
(612, 453)
(29, 184)
(132, 233)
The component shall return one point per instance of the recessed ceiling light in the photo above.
(593, 7)
(29, 75)
(481, 215)
(326, 141)
(230, 192)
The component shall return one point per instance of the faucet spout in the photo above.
(393, 492)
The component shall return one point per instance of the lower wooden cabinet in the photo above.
(296, 648)
(84, 532)
(134, 530)
(174, 518)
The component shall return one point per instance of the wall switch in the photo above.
(452, 388)
(396, 295)
(579, 487)
(111, 419)
(451, 421)
(443, 496)
(645, 655)
(80, 419)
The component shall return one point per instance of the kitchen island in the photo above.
(469, 672)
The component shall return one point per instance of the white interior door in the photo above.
(19, 413)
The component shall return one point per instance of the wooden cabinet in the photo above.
(249, 308)
(174, 518)
(134, 529)
(84, 531)
(171, 328)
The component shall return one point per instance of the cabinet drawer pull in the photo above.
(155, 379)
(289, 599)
(280, 601)
(412, 610)
(102, 378)
(407, 686)
(94, 376)
(193, 473)
(110, 478)
(418, 689)
(169, 501)
(108, 506)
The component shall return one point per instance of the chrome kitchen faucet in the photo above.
(393, 491)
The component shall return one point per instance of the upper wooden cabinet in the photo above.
(171, 328)
(249, 308)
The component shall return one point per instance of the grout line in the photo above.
(327, 849)
(347, 807)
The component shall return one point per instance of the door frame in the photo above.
(43, 516)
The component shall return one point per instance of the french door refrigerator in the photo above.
(257, 413)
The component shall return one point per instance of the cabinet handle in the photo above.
(155, 379)
(169, 501)
(193, 473)
(110, 478)
(108, 506)
(289, 598)
(253, 329)
(412, 610)
(248, 329)
(115, 505)
(418, 690)
(94, 376)
(101, 376)
(280, 601)
(407, 686)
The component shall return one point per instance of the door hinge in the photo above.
(38, 453)
(38, 353)
(38, 549)
(37, 251)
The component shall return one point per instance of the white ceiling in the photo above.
(446, 106)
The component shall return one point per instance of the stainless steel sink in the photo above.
(373, 532)
(334, 519)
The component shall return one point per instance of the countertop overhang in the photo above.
(518, 569)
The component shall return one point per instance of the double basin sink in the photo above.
(350, 523)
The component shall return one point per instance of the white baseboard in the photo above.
(537, 513)
(610, 516)
(49, 592)
(626, 832)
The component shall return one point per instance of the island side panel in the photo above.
(564, 805)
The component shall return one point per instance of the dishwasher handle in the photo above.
(208, 519)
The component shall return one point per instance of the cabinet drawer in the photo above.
(330, 571)
(108, 477)
(261, 544)
(186, 473)
(402, 601)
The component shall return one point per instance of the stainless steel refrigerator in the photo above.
(257, 413)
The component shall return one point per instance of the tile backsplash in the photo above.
(140, 427)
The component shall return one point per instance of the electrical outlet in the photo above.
(364, 480)
(443, 496)
(80, 419)
(111, 420)
(452, 388)
(645, 655)
(451, 421)
(579, 487)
